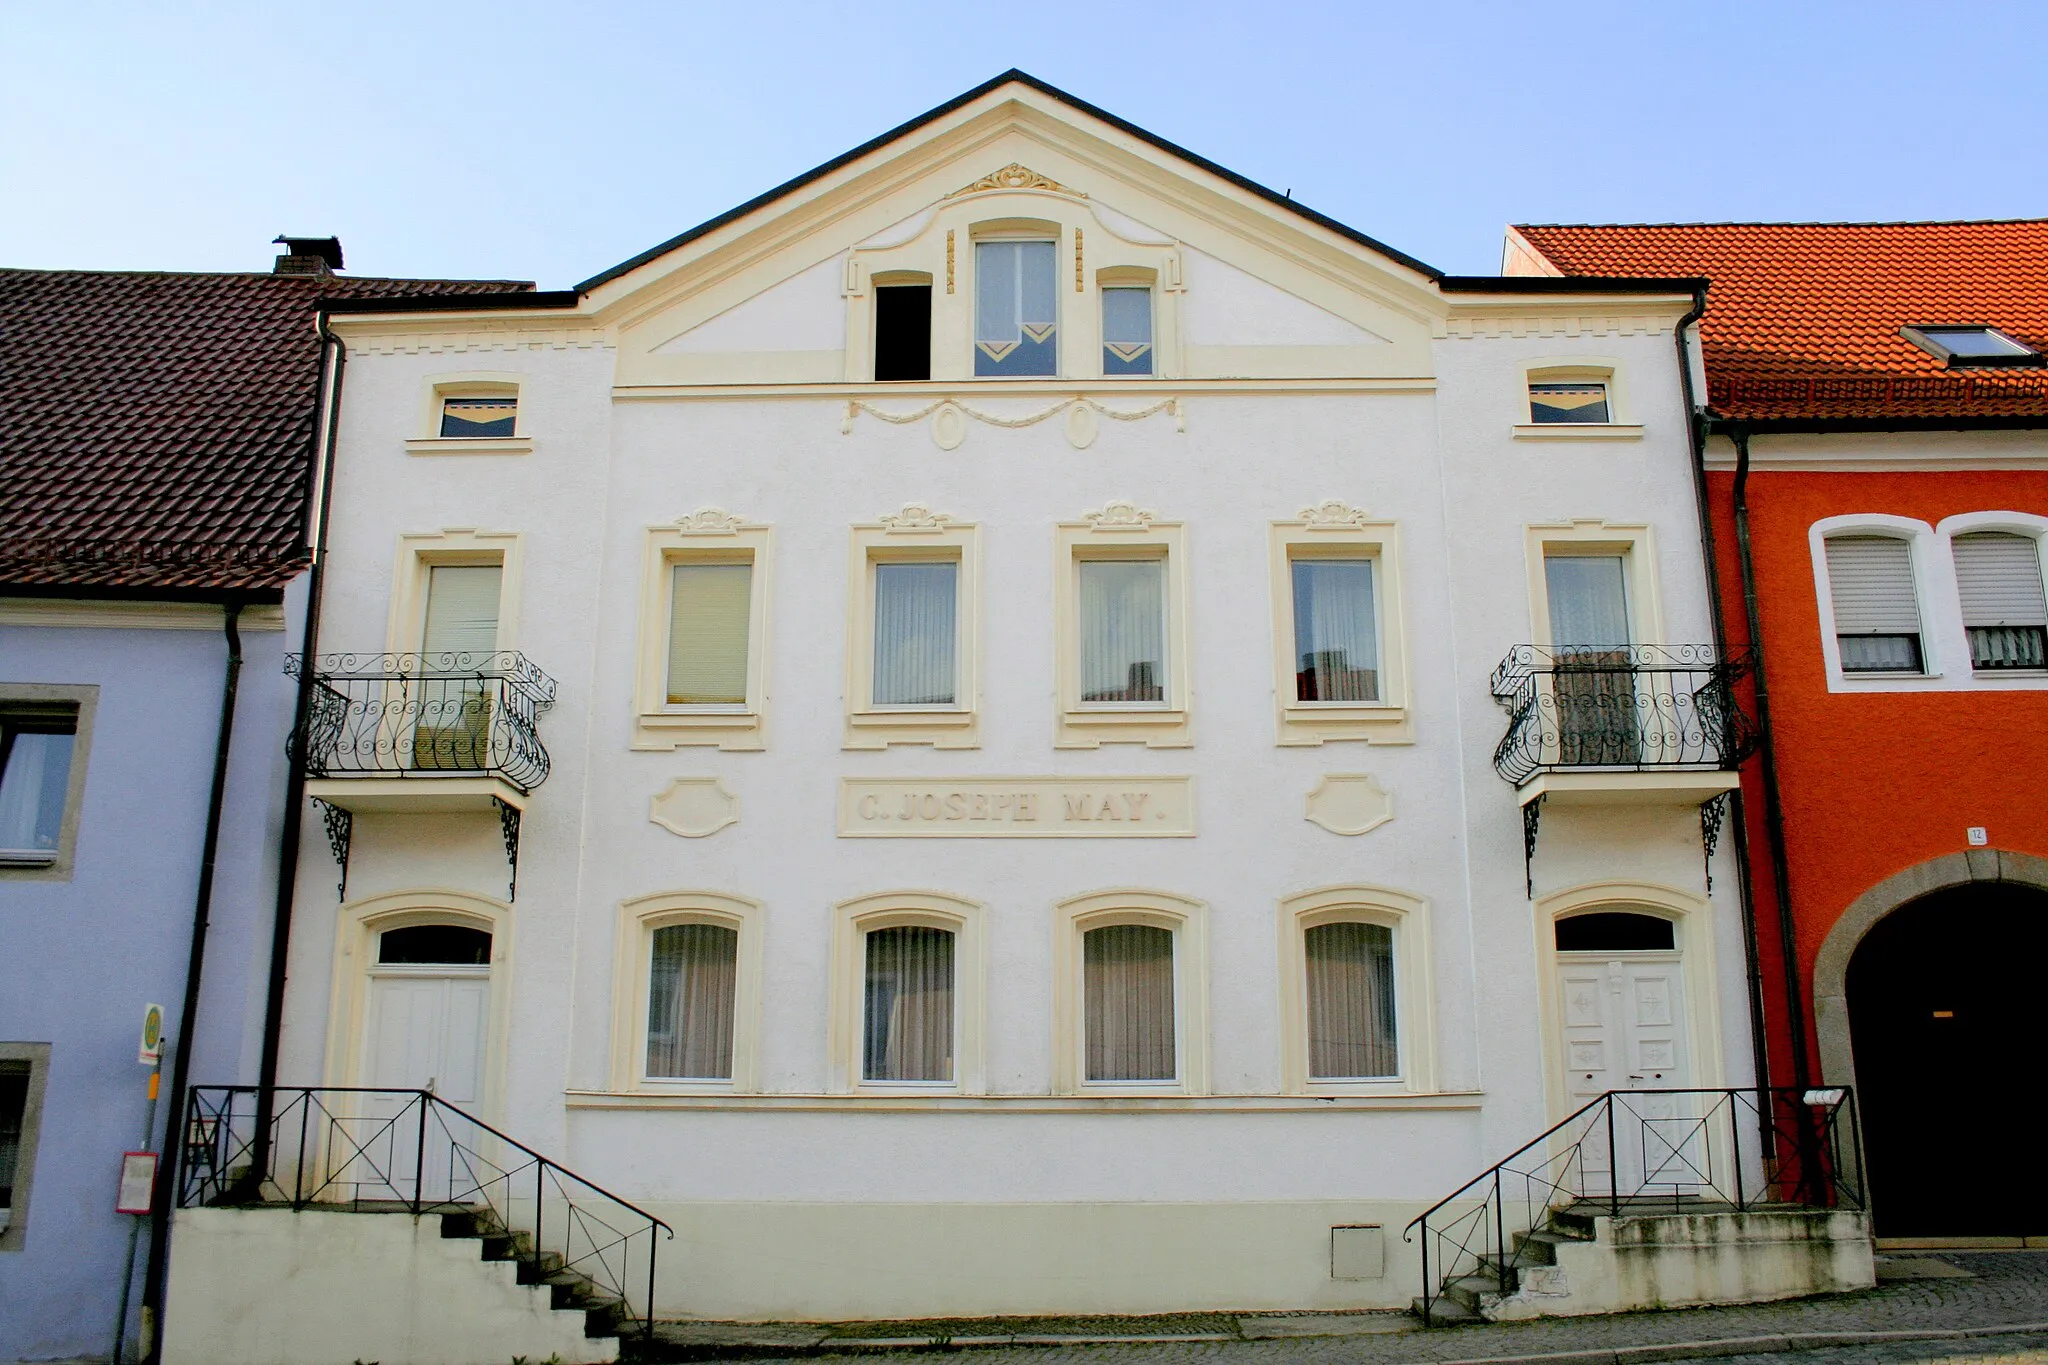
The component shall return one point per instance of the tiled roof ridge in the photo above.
(509, 286)
(1792, 223)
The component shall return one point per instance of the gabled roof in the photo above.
(1803, 319)
(156, 429)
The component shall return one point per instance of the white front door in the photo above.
(1624, 1028)
(427, 1028)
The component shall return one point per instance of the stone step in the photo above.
(1468, 1290)
(1445, 1312)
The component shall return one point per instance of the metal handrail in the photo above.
(1621, 707)
(338, 1162)
(435, 715)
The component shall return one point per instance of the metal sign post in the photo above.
(138, 1168)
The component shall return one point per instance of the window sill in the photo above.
(1165, 727)
(942, 728)
(470, 445)
(1030, 1104)
(29, 858)
(1311, 724)
(1577, 431)
(734, 729)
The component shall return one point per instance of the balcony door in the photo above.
(1594, 686)
(452, 705)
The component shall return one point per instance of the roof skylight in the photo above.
(1972, 346)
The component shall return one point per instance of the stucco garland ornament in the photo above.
(949, 418)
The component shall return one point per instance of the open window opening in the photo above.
(903, 327)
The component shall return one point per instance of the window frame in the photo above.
(709, 536)
(1333, 529)
(914, 535)
(1634, 542)
(852, 921)
(421, 552)
(1606, 370)
(1048, 231)
(633, 965)
(471, 384)
(1188, 920)
(1120, 531)
(83, 699)
(2021, 524)
(1127, 277)
(14, 1236)
(1408, 916)
(1927, 336)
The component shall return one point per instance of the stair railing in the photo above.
(1645, 1151)
(411, 1151)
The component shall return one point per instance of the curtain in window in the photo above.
(908, 1008)
(1877, 610)
(915, 614)
(1127, 983)
(1123, 630)
(691, 982)
(1336, 646)
(1999, 577)
(1351, 1002)
(709, 609)
(1015, 308)
(1594, 687)
(1127, 331)
(35, 777)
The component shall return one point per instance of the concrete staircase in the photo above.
(604, 1315)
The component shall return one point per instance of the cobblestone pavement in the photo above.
(1920, 1291)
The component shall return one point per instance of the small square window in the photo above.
(1966, 346)
(1578, 401)
(35, 781)
(492, 416)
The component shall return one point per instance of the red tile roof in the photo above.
(156, 429)
(1803, 319)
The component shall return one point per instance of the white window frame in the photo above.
(84, 701)
(14, 1232)
(1188, 920)
(472, 384)
(1585, 369)
(914, 535)
(708, 536)
(1120, 531)
(633, 964)
(1408, 916)
(421, 552)
(853, 920)
(2035, 528)
(1335, 530)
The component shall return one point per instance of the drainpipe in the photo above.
(181, 1059)
(1752, 959)
(1774, 812)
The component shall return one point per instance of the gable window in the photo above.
(487, 416)
(907, 1005)
(1016, 301)
(1336, 640)
(1123, 631)
(1962, 347)
(1351, 1014)
(1877, 612)
(2004, 612)
(36, 743)
(903, 330)
(1583, 401)
(1127, 994)
(707, 636)
(1126, 330)
(692, 980)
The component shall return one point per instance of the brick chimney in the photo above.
(308, 256)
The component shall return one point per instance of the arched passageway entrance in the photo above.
(1945, 1003)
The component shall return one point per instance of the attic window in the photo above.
(1961, 346)
(1581, 400)
(491, 416)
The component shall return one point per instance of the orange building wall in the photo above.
(1871, 783)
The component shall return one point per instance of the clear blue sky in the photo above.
(549, 141)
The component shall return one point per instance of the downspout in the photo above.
(1774, 812)
(1752, 960)
(195, 962)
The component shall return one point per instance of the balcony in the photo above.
(1622, 724)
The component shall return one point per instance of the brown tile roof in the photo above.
(1803, 319)
(156, 429)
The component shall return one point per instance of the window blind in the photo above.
(1123, 630)
(1870, 579)
(462, 614)
(1128, 991)
(691, 982)
(1999, 575)
(908, 1005)
(709, 610)
(1351, 1002)
(915, 615)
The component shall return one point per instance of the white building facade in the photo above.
(1023, 833)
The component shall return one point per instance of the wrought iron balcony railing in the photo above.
(1621, 708)
(425, 715)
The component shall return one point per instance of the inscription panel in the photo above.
(1017, 808)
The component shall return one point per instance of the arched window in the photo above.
(1127, 994)
(452, 945)
(1876, 605)
(1352, 1029)
(1615, 931)
(907, 1006)
(692, 981)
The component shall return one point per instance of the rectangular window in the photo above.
(452, 730)
(903, 332)
(461, 626)
(691, 989)
(916, 619)
(1126, 330)
(710, 606)
(1877, 611)
(36, 744)
(17, 1140)
(1583, 401)
(1016, 300)
(1127, 990)
(907, 1005)
(1351, 1002)
(1123, 631)
(2004, 611)
(494, 416)
(1595, 690)
(1336, 641)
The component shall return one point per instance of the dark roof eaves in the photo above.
(449, 303)
(1570, 284)
(1050, 91)
(1722, 425)
(260, 596)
